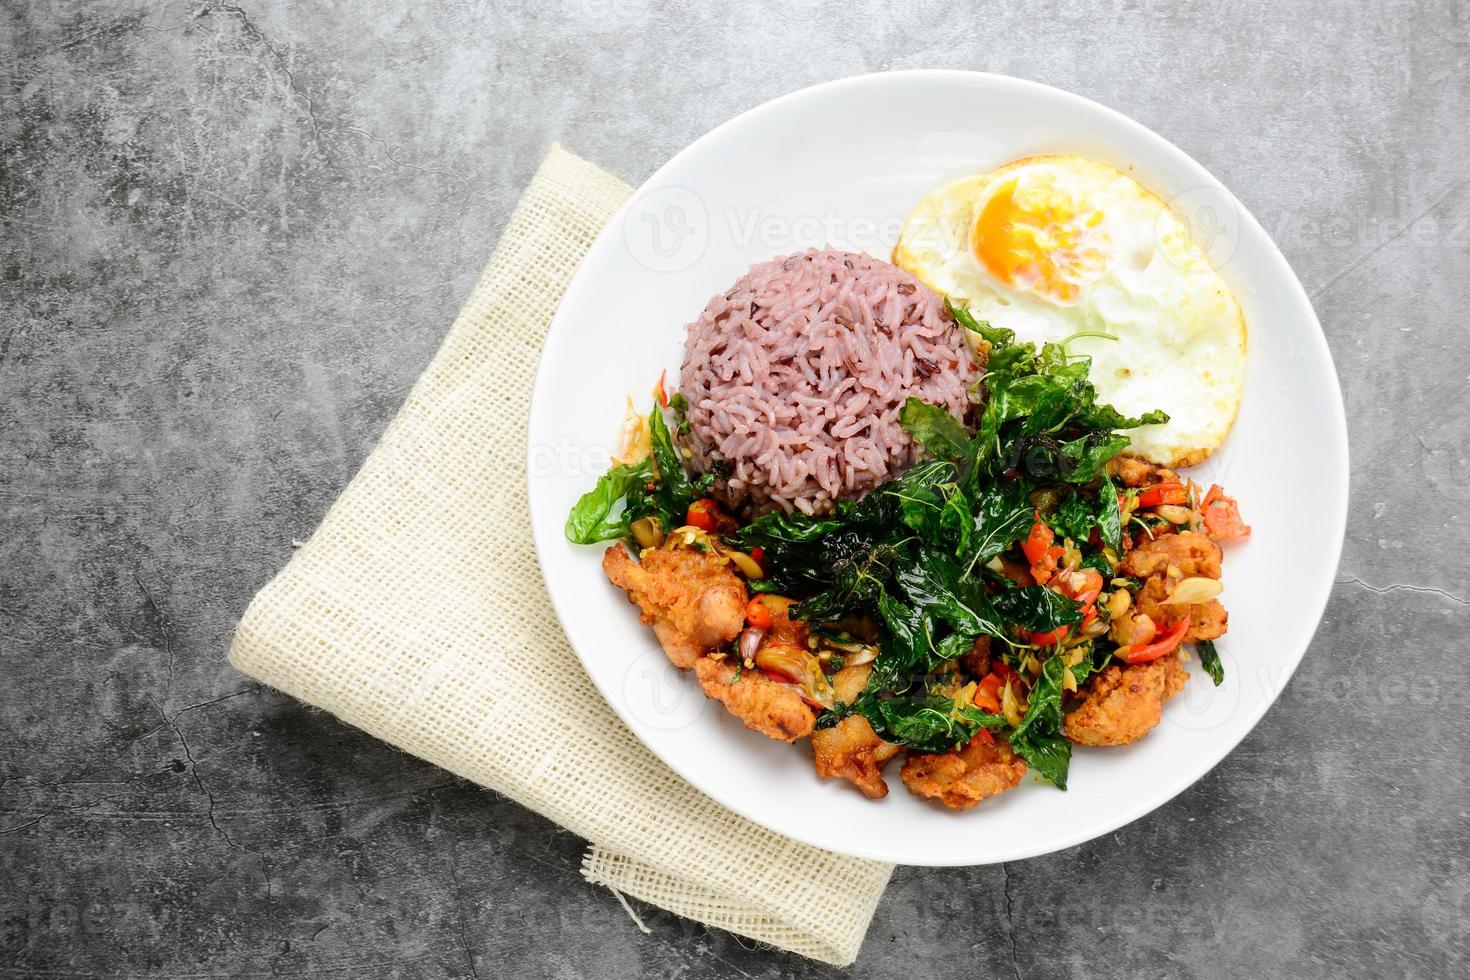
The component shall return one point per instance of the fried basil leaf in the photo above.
(956, 523)
(1074, 518)
(1039, 739)
(934, 583)
(935, 429)
(1002, 517)
(674, 492)
(1036, 608)
(929, 722)
(1109, 520)
(1209, 659)
(596, 516)
(1050, 755)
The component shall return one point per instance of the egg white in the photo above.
(1180, 332)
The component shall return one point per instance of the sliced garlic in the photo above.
(1194, 590)
(746, 564)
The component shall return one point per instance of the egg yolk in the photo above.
(1035, 236)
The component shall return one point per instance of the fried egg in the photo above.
(1062, 248)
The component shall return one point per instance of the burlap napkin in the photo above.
(417, 613)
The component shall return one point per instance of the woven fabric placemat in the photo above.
(417, 613)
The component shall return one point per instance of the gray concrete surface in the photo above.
(232, 236)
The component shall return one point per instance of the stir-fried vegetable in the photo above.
(656, 487)
(919, 555)
(1009, 534)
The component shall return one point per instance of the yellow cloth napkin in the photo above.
(417, 613)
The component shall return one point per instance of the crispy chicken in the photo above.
(1123, 704)
(1188, 554)
(693, 600)
(963, 778)
(764, 705)
(1134, 471)
(850, 749)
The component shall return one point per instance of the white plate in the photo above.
(841, 164)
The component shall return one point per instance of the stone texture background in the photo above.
(230, 238)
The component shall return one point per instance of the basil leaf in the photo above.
(935, 429)
(1036, 609)
(933, 583)
(674, 492)
(996, 336)
(1050, 756)
(596, 516)
(679, 405)
(1074, 518)
(1109, 520)
(929, 722)
(1088, 455)
(1003, 516)
(920, 509)
(1038, 739)
(956, 523)
(1108, 417)
(1209, 659)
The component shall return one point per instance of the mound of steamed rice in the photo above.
(795, 376)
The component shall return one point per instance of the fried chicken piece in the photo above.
(962, 779)
(1135, 471)
(693, 600)
(1190, 554)
(766, 706)
(977, 660)
(851, 749)
(1123, 704)
(1207, 620)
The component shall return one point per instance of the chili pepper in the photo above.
(704, 514)
(987, 693)
(1163, 493)
(1040, 539)
(1157, 647)
(659, 392)
(757, 614)
(1049, 637)
(1222, 516)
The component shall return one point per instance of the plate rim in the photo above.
(1338, 435)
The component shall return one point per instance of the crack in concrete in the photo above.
(224, 697)
(1005, 868)
(54, 813)
(199, 782)
(1403, 587)
(459, 915)
(172, 722)
(257, 35)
